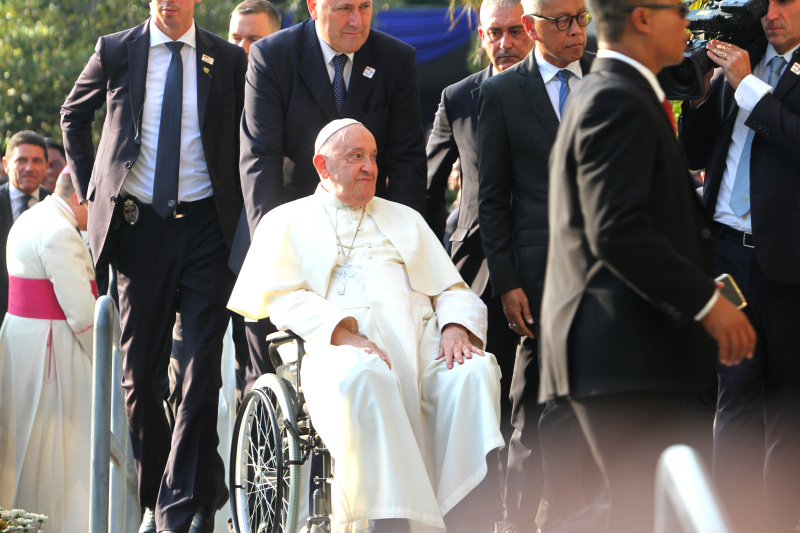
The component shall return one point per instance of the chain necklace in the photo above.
(344, 272)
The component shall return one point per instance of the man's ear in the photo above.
(642, 23)
(530, 28)
(319, 164)
(312, 8)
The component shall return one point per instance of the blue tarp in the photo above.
(428, 29)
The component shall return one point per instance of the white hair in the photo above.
(497, 4)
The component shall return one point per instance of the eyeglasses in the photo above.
(683, 7)
(564, 22)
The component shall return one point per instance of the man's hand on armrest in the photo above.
(455, 344)
(732, 331)
(343, 337)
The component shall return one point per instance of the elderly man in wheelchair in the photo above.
(393, 378)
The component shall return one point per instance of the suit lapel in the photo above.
(360, 85)
(6, 216)
(536, 95)
(788, 79)
(205, 71)
(476, 91)
(138, 54)
(314, 73)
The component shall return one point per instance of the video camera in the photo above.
(737, 22)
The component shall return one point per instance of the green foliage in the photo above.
(45, 45)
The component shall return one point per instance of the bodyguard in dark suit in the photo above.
(290, 96)
(164, 201)
(455, 136)
(745, 132)
(26, 162)
(518, 118)
(630, 311)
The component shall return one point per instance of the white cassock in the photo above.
(409, 442)
(46, 369)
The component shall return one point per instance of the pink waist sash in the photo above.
(35, 298)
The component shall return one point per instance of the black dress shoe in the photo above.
(148, 521)
(203, 520)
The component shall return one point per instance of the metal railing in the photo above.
(112, 471)
(686, 501)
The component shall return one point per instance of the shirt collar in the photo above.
(15, 194)
(644, 71)
(771, 52)
(327, 50)
(549, 70)
(159, 37)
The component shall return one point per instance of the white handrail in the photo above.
(112, 471)
(686, 501)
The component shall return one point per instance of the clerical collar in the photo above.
(64, 207)
(328, 199)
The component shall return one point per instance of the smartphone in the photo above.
(730, 290)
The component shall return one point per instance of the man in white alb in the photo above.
(393, 338)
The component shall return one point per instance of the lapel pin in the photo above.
(796, 68)
(209, 60)
(369, 72)
(205, 69)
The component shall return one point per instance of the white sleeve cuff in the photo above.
(750, 91)
(706, 308)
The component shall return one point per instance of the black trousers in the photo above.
(757, 426)
(552, 479)
(259, 362)
(627, 433)
(524, 473)
(502, 342)
(165, 266)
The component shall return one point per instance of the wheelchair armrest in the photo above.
(279, 338)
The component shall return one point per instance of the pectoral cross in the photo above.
(343, 274)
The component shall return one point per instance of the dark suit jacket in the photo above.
(516, 129)
(6, 221)
(116, 75)
(454, 135)
(630, 261)
(289, 98)
(774, 165)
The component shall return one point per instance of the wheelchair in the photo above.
(273, 440)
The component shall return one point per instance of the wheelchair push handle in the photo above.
(278, 339)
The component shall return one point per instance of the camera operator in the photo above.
(745, 132)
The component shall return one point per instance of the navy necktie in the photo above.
(26, 203)
(740, 193)
(168, 156)
(563, 76)
(339, 89)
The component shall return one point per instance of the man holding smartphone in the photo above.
(745, 132)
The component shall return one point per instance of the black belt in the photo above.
(134, 210)
(741, 237)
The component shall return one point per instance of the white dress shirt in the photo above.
(551, 82)
(194, 183)
(752, 88)
(15, 197)
(327, 55)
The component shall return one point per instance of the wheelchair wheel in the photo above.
(265, 490)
